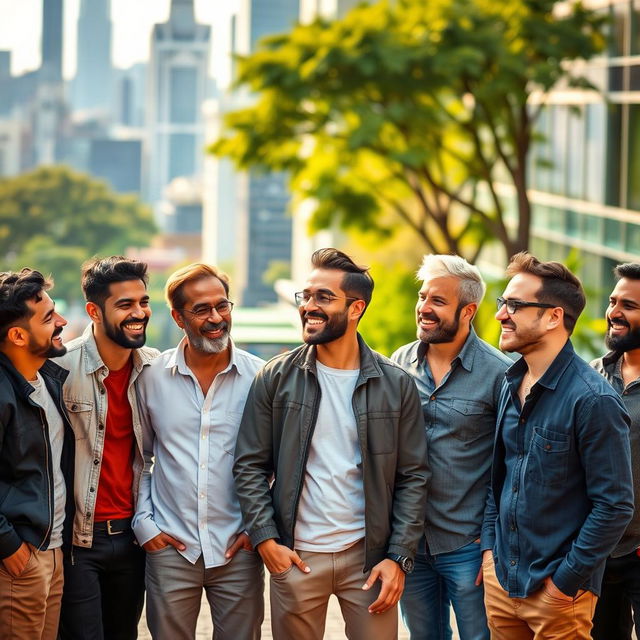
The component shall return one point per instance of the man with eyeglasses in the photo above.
(459, 377)
(331, 466)
(561, 493)
(188, 517)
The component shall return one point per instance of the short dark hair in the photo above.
(16, 289)
(99, 273)
(629, 270)
(357, 281)
(560, 287)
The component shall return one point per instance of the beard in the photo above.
(335, 327)
(118, 335)
(520, 341)
(621, 344)
(444, 332)
(49, 349)
(203, 344)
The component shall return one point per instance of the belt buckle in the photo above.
(109, 531)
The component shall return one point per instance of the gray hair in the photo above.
(472, 286)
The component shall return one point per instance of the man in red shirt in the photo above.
(104, 574)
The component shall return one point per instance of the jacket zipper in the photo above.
(49, 473)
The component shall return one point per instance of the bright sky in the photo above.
(21, 28)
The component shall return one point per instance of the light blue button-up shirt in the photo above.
(187, 488)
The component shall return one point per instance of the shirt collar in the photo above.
(552, 375)
(93, 361)
(177, 359)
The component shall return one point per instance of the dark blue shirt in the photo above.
(561, 490)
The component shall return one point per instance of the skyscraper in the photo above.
(52, 13)
(177, 86)
(93, 84)
(263, 200)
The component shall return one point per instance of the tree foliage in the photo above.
(418, 107)
(53, 219)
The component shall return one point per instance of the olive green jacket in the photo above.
(275, 435)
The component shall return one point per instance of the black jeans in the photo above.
(620, 593)
(103, 589)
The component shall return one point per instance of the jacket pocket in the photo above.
(80, 417)
(548, 457)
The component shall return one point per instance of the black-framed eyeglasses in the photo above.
(321, 298)
(206, 310)
(514, 305)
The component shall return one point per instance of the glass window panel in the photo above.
(614, 137)
(184, 95)
(541, 175)
(592, 229)
(575, 153)
(635, 28)
(595, 126)
(558, 148)
(632, 241)
(613, 232)
(182, 155)
(619, 19)
(615, 78)
(572, 223)
(633, 184)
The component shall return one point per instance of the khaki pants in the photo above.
(299, 600)
(539, 615)
(30, 603)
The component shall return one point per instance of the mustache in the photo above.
(214, 326)
(316, 314)
(56, 333)
(144, 321)
(508, 323)
(428, 316)
(620, 321)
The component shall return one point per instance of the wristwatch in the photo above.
(406, 564)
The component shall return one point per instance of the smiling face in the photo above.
(438, 310)
(329, 321)
(124, 315)
(524, 331)
(623, 316)
(45, 327)
(209, 334)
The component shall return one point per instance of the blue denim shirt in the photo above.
(561, 489)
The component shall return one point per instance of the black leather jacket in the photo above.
(276, 431)
(26, 472)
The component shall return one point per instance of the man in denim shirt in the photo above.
(459, 378)
(621, 367)
(561, 491)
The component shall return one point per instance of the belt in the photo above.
(113, 527)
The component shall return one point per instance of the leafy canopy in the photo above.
(53, 219)
(416, 107)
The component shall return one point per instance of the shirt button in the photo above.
(202, 466)
(513, 563)
(92, 489)
(547, 447)
(96, 461)
(204, 435)
(521, 420)
(100, 427)
(515, 488)
(74, 407)
(512, 527)
(102, 390)
(520, 456)
(432, 398)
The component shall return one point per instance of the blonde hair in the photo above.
(173, 290)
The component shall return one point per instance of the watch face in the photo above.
(406, 565)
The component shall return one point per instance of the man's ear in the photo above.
(18, 336)
(177, 318)
(356, 309)
(556, 318)
(469, 310)
(94, 312)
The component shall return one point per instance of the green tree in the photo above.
(54, 218)
(415, 107)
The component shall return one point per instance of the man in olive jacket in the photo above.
(340, 428)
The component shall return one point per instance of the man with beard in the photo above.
(340, 429)
(561, 493)
(459, 378)
(621, 367)
(36, 459)
(104, 575)
(188, 517)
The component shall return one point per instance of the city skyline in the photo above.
(21, 28)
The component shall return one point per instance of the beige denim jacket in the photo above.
(85, 398)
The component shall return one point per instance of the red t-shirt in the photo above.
(115, 495)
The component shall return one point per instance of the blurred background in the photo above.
(248, 133)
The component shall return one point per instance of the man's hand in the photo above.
(161, 541)
(242, 541)
(554, 592)
(487, 556)
(17, 561)
(392, 578)
(278, 558)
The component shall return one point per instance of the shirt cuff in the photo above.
(566, 580)
(145, 529)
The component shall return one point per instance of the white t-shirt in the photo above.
(42, 398)
(331, 508)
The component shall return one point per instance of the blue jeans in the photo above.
(438, 582)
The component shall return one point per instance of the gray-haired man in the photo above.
(459, 378)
